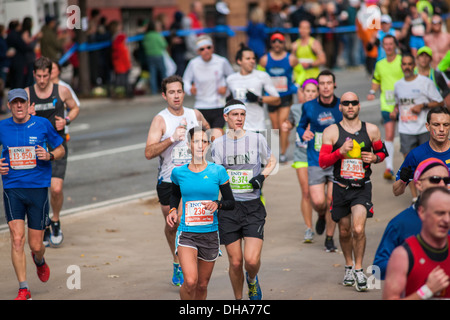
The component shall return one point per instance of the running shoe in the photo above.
(46, 240)
(329, 244)
(320, 225)
(388, 174)
(349, 280)
(43, 271)
(254, 290)
(56, 235)
(24, 294)
(177, 278)
(309, 236)
(360, 280)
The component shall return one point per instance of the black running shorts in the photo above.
(344, 199)
(247, 219)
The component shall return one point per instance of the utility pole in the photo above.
(83, 56)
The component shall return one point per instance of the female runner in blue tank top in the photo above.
(197, 243)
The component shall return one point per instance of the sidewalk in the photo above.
(122, 253)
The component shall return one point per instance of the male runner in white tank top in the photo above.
(167, 139)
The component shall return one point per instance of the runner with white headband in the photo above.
(242, 153)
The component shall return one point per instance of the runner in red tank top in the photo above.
(420, 268)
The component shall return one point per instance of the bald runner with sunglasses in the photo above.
(431, 172)
(351, 146)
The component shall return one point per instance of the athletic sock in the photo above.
(23, 285)
(39, 263)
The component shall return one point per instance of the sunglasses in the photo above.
(277, 40)
(348, 102)
(436, 179)
(436, 22)
(204, 48)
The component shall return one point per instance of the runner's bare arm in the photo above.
(74, 109)
(202, 120)
(155, 146)
(271, 164)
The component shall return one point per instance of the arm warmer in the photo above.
(380, 150)
(227, 202)
(175, 197)
(328, 158)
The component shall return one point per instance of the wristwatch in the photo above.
(52, 156)
(67, 121)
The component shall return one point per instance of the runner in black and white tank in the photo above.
(242, 153)
(204, 78)
(249, 86)
(351, 146)
(167, 139)
(50, 101)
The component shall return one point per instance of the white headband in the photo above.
(204, 42)
(233, 107)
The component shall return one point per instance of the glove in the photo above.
(251, 97)
(257, 182)
(406, 173)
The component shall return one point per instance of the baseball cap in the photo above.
(426, 165)
(17, 93)
(426, 50)
(385, 18)
(277, 36)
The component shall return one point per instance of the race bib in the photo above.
(195, 214)
(22, 158)
(318, 141)
(406, 115)
(181, 155)
(280, 83)
(352, 169)
(239, 180)
(389, 96)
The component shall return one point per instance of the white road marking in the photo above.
(107, 152)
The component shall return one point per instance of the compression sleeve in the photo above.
(328, 158)
(175, 197)
(380, 150)
(227, 202)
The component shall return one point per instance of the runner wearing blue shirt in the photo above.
(197, 243)
(438, 124)
(279, 64)
(319, 114)
(26, 174)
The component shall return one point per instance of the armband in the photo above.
(379, 148)
(424, 292)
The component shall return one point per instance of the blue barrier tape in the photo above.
(230, 31)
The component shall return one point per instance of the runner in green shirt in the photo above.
(387, 72)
